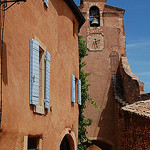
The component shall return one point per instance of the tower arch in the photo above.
(94, 16)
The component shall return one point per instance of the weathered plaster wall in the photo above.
(54, 27)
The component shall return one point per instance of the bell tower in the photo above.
(104, 34)
(93, 28)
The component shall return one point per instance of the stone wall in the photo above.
(119, 124)
(132, 130)
(145, 96)
(136, 132)
(132, 117)
(133, 86)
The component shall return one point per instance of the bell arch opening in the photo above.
(94, 17)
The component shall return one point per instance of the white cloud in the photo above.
(143, 73)
(148, 83)
(142, 44)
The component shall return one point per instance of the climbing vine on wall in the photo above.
(83, 122)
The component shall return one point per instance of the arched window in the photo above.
(94, 17)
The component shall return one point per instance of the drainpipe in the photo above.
(2, 34)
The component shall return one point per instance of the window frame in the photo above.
(40, 107)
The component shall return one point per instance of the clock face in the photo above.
(95, 42)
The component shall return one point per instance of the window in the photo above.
(73, 89)
(94, 17)
(32, 143)
(39, 76)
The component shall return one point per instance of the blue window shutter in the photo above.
(47, 79)
(34, 72)
(79, 92)
(73, 88)
(46, 3)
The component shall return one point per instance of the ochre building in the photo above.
(124, 120)
(40, 75)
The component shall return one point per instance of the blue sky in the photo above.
(137, 29)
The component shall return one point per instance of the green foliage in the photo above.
(83, 122)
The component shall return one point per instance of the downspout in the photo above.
(2, 34)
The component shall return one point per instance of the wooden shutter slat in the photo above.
(34, 72)
(73, 88)
(79, 92)
(47, 79)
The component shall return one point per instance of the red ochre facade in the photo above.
(54, 27)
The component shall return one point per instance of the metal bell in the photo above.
(94, 21)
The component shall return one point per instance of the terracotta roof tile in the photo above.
(141, 108)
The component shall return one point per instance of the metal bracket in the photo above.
(11, 1)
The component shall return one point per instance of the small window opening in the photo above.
(94, 17)
(33, 143)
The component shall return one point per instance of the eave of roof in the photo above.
(119, 9)
(76, 12)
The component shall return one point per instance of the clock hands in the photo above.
(95, 43)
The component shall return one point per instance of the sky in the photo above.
(137, 32)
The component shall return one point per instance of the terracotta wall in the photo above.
(137, 132)
(54, 27)
(99, 66)
(132, 131)
(119, 126)
(133, 86)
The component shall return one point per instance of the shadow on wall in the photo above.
(106, 136)
(107, 122)
(61, 11)
(4, 67)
